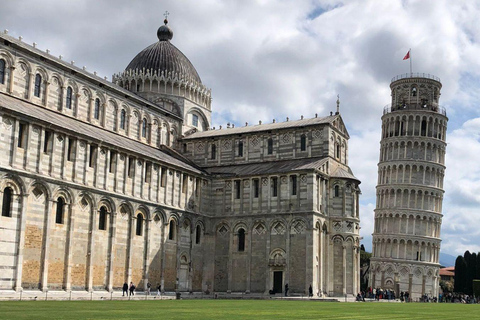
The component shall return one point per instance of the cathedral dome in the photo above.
(163, 56)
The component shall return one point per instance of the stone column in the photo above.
(230, 266)
(146, 269)
(46, 245)
(21, 243)
(410, 284)
(130, 245)
(111, 249)
(47, 85)
(68, 247)
(31, 75)
(10, 80)
(344, 263)
(90, 253)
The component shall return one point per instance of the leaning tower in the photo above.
(408, 214)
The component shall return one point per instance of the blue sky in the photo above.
(268, 60)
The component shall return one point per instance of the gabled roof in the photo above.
(272, 167)
(263, 127)
(91, 132)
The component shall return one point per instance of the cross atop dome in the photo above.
(166, 14)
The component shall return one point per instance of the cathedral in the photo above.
(104, 182)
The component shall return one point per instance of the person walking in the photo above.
(148, 288)
(310, 291)
(159, 289)
(132, 289)
(286, 289)
(125, 289)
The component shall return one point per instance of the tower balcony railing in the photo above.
(414, 106)
(415, 75)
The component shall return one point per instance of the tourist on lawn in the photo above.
(125, 289)
(286, 289)
(159, 289)
(148, 288)
(132, 289)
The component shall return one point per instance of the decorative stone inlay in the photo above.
(82, 145)
(223, 231)
(283, 180)
(227, 144)
(298, 227)
(418, 273)
(404, 272)
(246, 183)
(84, 203)
(200, 146)
(264, 182)
(259, 229)
(254, 141)
(337, 226)
(317, 134)
(59, 140)
(303, 178)
(7, 122)
(228, 184)
(278, 228)
(37, 192)
(286, 138)
(349, 226)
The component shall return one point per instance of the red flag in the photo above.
(407, 56)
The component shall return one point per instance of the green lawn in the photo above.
(232, 309)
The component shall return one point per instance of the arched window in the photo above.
(195, 120)
(303, 142)
(338, 150)
(68, 102)
(171, 230)
(241, 240)
(96, 113)
(270, 146)
(139, 224)
(240, 148)
(2, 71)
(38, 85)
(213, 155)
(122, 119)
(414, 92)
(102, 219)
(7, 202)
(337, 191)
(424, 128)
(60, 210)
(198, 235)
(144, 128)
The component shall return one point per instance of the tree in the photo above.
(471, 272)
(460, 275)
(364, 267)
(447, 286)
(477, 271)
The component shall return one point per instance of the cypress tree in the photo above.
(471, 270)
(477, 271)
(460, 270)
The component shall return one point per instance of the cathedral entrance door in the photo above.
(278, 281)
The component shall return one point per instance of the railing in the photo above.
(413, 106)
(415, 75)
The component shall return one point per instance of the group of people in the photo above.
(130, 290)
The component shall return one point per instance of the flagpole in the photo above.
(411, 73)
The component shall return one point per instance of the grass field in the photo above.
(232, 309)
